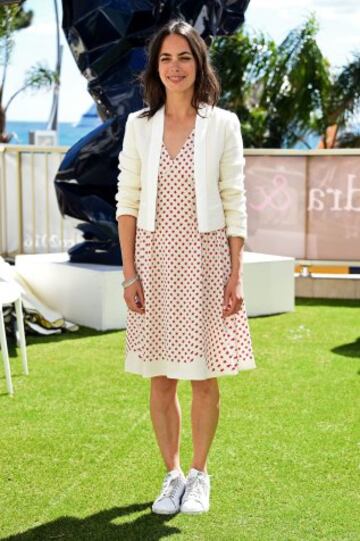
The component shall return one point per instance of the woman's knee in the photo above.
(206, 388)
(163, 387)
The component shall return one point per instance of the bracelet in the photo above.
(130, 281)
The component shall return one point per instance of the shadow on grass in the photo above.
(83, 332)
(349, 350)
(99, 526)
(306, 301)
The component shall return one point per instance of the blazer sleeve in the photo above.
(231, 183)
(129, 185)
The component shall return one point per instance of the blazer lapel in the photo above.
(201, 192)
(153, 161)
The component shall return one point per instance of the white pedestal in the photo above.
(269, 283)
(92, 295)
(84, 293)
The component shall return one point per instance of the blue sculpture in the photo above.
(107, 39)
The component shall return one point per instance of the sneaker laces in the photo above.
(194, 487)
(170, 486)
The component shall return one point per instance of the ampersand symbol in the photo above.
(271, 199)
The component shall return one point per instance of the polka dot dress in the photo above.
(183, 334)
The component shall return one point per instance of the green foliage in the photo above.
(12, 19)
(40, 76)
(283, 93)
(343, 101)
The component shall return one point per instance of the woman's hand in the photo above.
(233, 295)
(134, 297)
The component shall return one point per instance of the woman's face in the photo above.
(177, 65)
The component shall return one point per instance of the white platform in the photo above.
(92, 295)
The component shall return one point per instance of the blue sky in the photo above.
(338, 37)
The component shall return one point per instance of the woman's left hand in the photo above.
(233, 295)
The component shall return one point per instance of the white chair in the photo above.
(10, 293)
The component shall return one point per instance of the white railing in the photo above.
(301, 203)
(30, 219)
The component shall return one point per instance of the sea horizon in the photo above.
(68, 133)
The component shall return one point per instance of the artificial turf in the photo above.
(79, 459)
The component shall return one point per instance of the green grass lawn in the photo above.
(79, 459)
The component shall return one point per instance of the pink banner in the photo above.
(307, 207)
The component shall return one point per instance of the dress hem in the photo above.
(196, 370)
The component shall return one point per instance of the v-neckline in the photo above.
(179, 151)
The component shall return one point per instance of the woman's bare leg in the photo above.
(166, 419)
(204, 417)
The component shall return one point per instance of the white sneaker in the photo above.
(196, 497)
(172, 489)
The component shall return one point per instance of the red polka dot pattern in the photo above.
(182, 333)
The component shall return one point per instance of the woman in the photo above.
(181, 211)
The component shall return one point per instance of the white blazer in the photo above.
(218, 170)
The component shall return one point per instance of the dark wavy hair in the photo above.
(206, 86)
